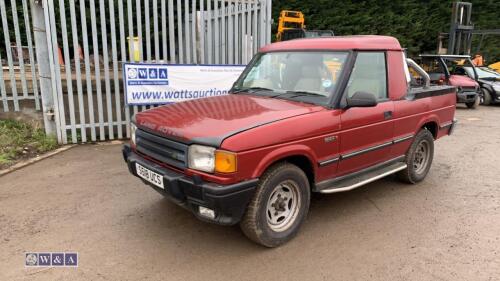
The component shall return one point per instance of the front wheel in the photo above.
(418, 158)
(279, 206)
(474, 104)
(486, 97)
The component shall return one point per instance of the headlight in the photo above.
(133, 128)
(496, 88)
(201, 158)
(208, 159)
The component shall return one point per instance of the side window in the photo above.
(434, 67)
(369, 75)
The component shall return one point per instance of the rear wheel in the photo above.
(418, 158)
(474, 104)
(279, 206)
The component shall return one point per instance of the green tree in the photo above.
(416, 24)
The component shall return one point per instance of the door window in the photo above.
(369, 75)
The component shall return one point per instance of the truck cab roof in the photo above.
(357, 42)
(444, 56)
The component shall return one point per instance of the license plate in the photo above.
(149, 175)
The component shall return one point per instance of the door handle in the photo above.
(387, 115)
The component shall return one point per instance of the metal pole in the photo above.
(193, 32)
(49, 9)
(17, 35)
(179, 32)
(27, 24)
(42, 55)
(201, 31)
(216, 32)
(88, 74)
(10, 62)
(3, 91)
(171, 32)
(209, 31)
(269, 21)
(223, 32)
(78, 70)
(187, 35)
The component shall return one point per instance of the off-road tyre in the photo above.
(417, 170)
(257, 223)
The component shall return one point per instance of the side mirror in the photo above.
(361, 99)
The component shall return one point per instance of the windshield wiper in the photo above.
(294, 94)
(251, 90)
(304, 93)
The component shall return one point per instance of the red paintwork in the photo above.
(359, 42)
(462, 81)
(302, 128)
(218, 116)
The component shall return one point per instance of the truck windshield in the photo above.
(306, 76)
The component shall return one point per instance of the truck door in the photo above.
(366, 132)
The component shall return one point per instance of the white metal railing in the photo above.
(16, 68)
(76, 80)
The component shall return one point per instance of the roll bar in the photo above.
(421, 71)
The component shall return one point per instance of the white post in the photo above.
(42, 62)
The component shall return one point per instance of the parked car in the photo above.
(448, 70)
(291, 127)
(489, 80)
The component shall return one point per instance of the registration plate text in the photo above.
(149, 175)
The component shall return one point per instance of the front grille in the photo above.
(468, 89)
(161, 149)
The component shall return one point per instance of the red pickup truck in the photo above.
(310, 115)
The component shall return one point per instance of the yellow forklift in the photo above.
(291, 25)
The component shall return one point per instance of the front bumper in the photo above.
(229, 202)
(466, 97)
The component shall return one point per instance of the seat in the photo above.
(310, 79)
(366, 82)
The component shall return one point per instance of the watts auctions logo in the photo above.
(146, 75)
(51, 260)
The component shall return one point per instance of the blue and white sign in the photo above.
(165, 83)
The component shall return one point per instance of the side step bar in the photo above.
(350, 183)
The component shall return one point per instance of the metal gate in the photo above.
(76, 78)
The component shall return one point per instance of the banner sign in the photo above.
(147, 84)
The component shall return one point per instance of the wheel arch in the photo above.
(432, 127)
(299, 155)
(487, 87)
(431, 124)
